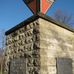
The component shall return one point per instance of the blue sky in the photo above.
(12, 12)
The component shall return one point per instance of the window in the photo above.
(17, 66)
(64, 66)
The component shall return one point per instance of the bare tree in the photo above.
(63, 17)
(2, 49)
(3, 40)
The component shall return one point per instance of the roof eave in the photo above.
(33, 18)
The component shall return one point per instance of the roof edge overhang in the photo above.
(35, 17)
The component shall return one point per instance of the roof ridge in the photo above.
(33, 18)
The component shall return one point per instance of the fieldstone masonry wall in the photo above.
(55, 42)
(40, 43)
(23, 44)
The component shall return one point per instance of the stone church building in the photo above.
(39, 45)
